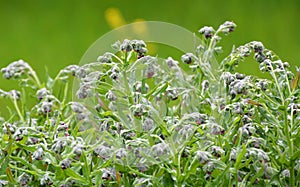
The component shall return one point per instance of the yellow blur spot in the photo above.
(140, 28)
(114, 18)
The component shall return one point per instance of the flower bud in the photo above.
(171, 62)
(121, 153)
(46, 180)
(139, 87)
(41, 93)
(139, 46)
(103, 152)
(110, 96)
(23, 179)
(258, 47)
(227, 27)
(38, 154)
(187, 58)
(65, 164)
(148, 124)
(14, 94)
(172, 93)
(259, 57)
(126, 46)
(207, 31)
(203, 156)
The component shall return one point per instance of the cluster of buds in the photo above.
(71, 69)
(110, 95)
(106, 58)
(160, 149)
(186, 131)
(294, 108)
(42, 93)
(88, 84)
(38, 154)
(256, 142)
(78, 146)
(140, 88)
(84, 91)
(138, 110)
(258, 154)
(207, 32)
(13, 94)
(148, 124)
(172, 93)
(151, 69)
(20, 133)
(217, 151)
(9, 128)
(262, 85)
(103, 152)
(15, 69)
(121, 153)
(81, 112)
(66, 163)
(74, 70)
(108, 174)
(172, 64)
(139, 46)
(196, 118)
(188, 58)
(46, 106)
(203, 156)
(59, 146)
(248, 130)
(216, 129)
(114, 72)
(23, 179)
(237, 83)
(46, 180)
(227, 27)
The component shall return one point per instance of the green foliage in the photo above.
(144, 121)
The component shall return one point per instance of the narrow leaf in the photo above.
(295, 81)
(9, 175)
(71, 173)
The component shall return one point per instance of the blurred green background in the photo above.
(56, 33)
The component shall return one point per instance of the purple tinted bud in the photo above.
(207, 31)
(258, 47)
(65, 164)
(126, 46)
(42, 93)
(187, 58)
(106, 58)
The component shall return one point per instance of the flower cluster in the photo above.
(141, 121)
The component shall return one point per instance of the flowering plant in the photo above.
(143, 121)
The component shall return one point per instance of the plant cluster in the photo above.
(139, 120)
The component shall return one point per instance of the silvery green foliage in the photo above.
(138, 120)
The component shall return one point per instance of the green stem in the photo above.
(18, 110)
(291, 150)
(35, 77)
(127, 88)
(277, 84)
(116, 57)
